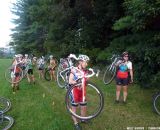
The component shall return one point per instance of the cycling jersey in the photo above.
(41, 64)
(77, 93)
(123, 69)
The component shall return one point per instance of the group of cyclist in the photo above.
(124, 76)
(124, 71)
(25, 65)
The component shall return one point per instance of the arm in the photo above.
(118, 63)
(131, 73)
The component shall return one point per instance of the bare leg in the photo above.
(118, 91)
(125, 93)
(74, 119)
(54, 75)
(83, 110)
(28, 77)
(33, 79)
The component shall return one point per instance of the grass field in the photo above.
(42, 107)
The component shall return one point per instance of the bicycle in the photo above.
(110, 71)
(5, 121)
(63, 72)
(11, 74)
(156, 103)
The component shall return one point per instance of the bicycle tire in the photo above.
(9, 78)
(156, 103)
(8, 119)
(90, 92)
(5, 104)
(60, 81)
(47, 75)
(109, 75)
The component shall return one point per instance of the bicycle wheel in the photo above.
(7, 123)
(62, 81)
(156, 103)
(47, 75)
(5, 104)
(94, 102)
(109, 74)
(13, 78)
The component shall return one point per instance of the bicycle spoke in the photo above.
(94, 102)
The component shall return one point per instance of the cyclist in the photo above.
(29, 68)
(77, 92)
(41, 67)
(16, 76)
(34, 60)
(122, 77)
(52, 67)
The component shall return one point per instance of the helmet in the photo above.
(124, 53)
(18, 55)
(26, 55)
(34, 57)
(83, 57)
(51, 56)
(42, 57)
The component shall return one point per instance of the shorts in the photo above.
(52, 69)
(17, 74)
(30, 71)
(40, 68)
(77, 97)
(122, 81)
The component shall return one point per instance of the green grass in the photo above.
(42, 107)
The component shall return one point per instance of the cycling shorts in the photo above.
(30, 71)
(77, 97)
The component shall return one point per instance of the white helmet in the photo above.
(83, 57)
(26, 55)
(18, 55)
(34, 58)
(51, 56)
(42, 57)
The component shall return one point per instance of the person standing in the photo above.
(124, 76)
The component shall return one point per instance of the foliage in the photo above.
(96, 28)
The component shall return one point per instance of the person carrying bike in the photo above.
(124, 76)
(77, 92)
(52, 67)
(15, 72)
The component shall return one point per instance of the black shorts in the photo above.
(30, 71)
(122, 81)
(52, 69)
(40, 68)
(17, 74)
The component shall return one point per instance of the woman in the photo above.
(16, 72)
(52, 67)
(41, 67)
(77, 91)
(29, 68)
(122, 77)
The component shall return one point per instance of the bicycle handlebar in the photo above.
(73, 56)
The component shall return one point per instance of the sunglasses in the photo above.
(126, 56)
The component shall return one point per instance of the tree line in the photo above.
(97, 28)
